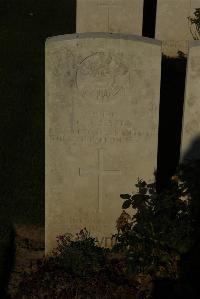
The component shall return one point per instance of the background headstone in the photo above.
(173, 26)
(193, 34)
(119, 16)
(102, 109)
(190, 148)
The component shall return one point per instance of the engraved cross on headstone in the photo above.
(108, 4)
(100, 172)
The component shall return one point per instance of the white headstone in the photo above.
(190, 148)
(119, 16)
(102, 109)
(173, 26)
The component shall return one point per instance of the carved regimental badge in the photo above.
(102, 77)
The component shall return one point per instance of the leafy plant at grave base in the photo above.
(78, 268)
(80, 256)
(150, 248)
(159, 233)
(196, 22)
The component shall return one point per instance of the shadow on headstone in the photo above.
(170, 118)
(187, 285)
(190, 264)
(191, 173)
(193, 152)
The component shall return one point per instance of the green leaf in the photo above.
(142, 190)
(126, 204)
(143, 184)
(139, 199)
(125, 196)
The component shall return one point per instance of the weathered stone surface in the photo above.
(102, 107)
(119, 16)
(173, 26)
(190, 148)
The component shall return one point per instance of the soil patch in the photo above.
(29, 250)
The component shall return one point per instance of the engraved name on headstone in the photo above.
(102, 107)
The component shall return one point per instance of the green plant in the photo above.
(147, 255)
(80, 256)
(78, 268)
(158, 233)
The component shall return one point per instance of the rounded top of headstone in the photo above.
(102, 35)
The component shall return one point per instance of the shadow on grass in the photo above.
(7, 254)
(24, 27)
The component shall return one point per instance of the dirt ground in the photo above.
(29, 249)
